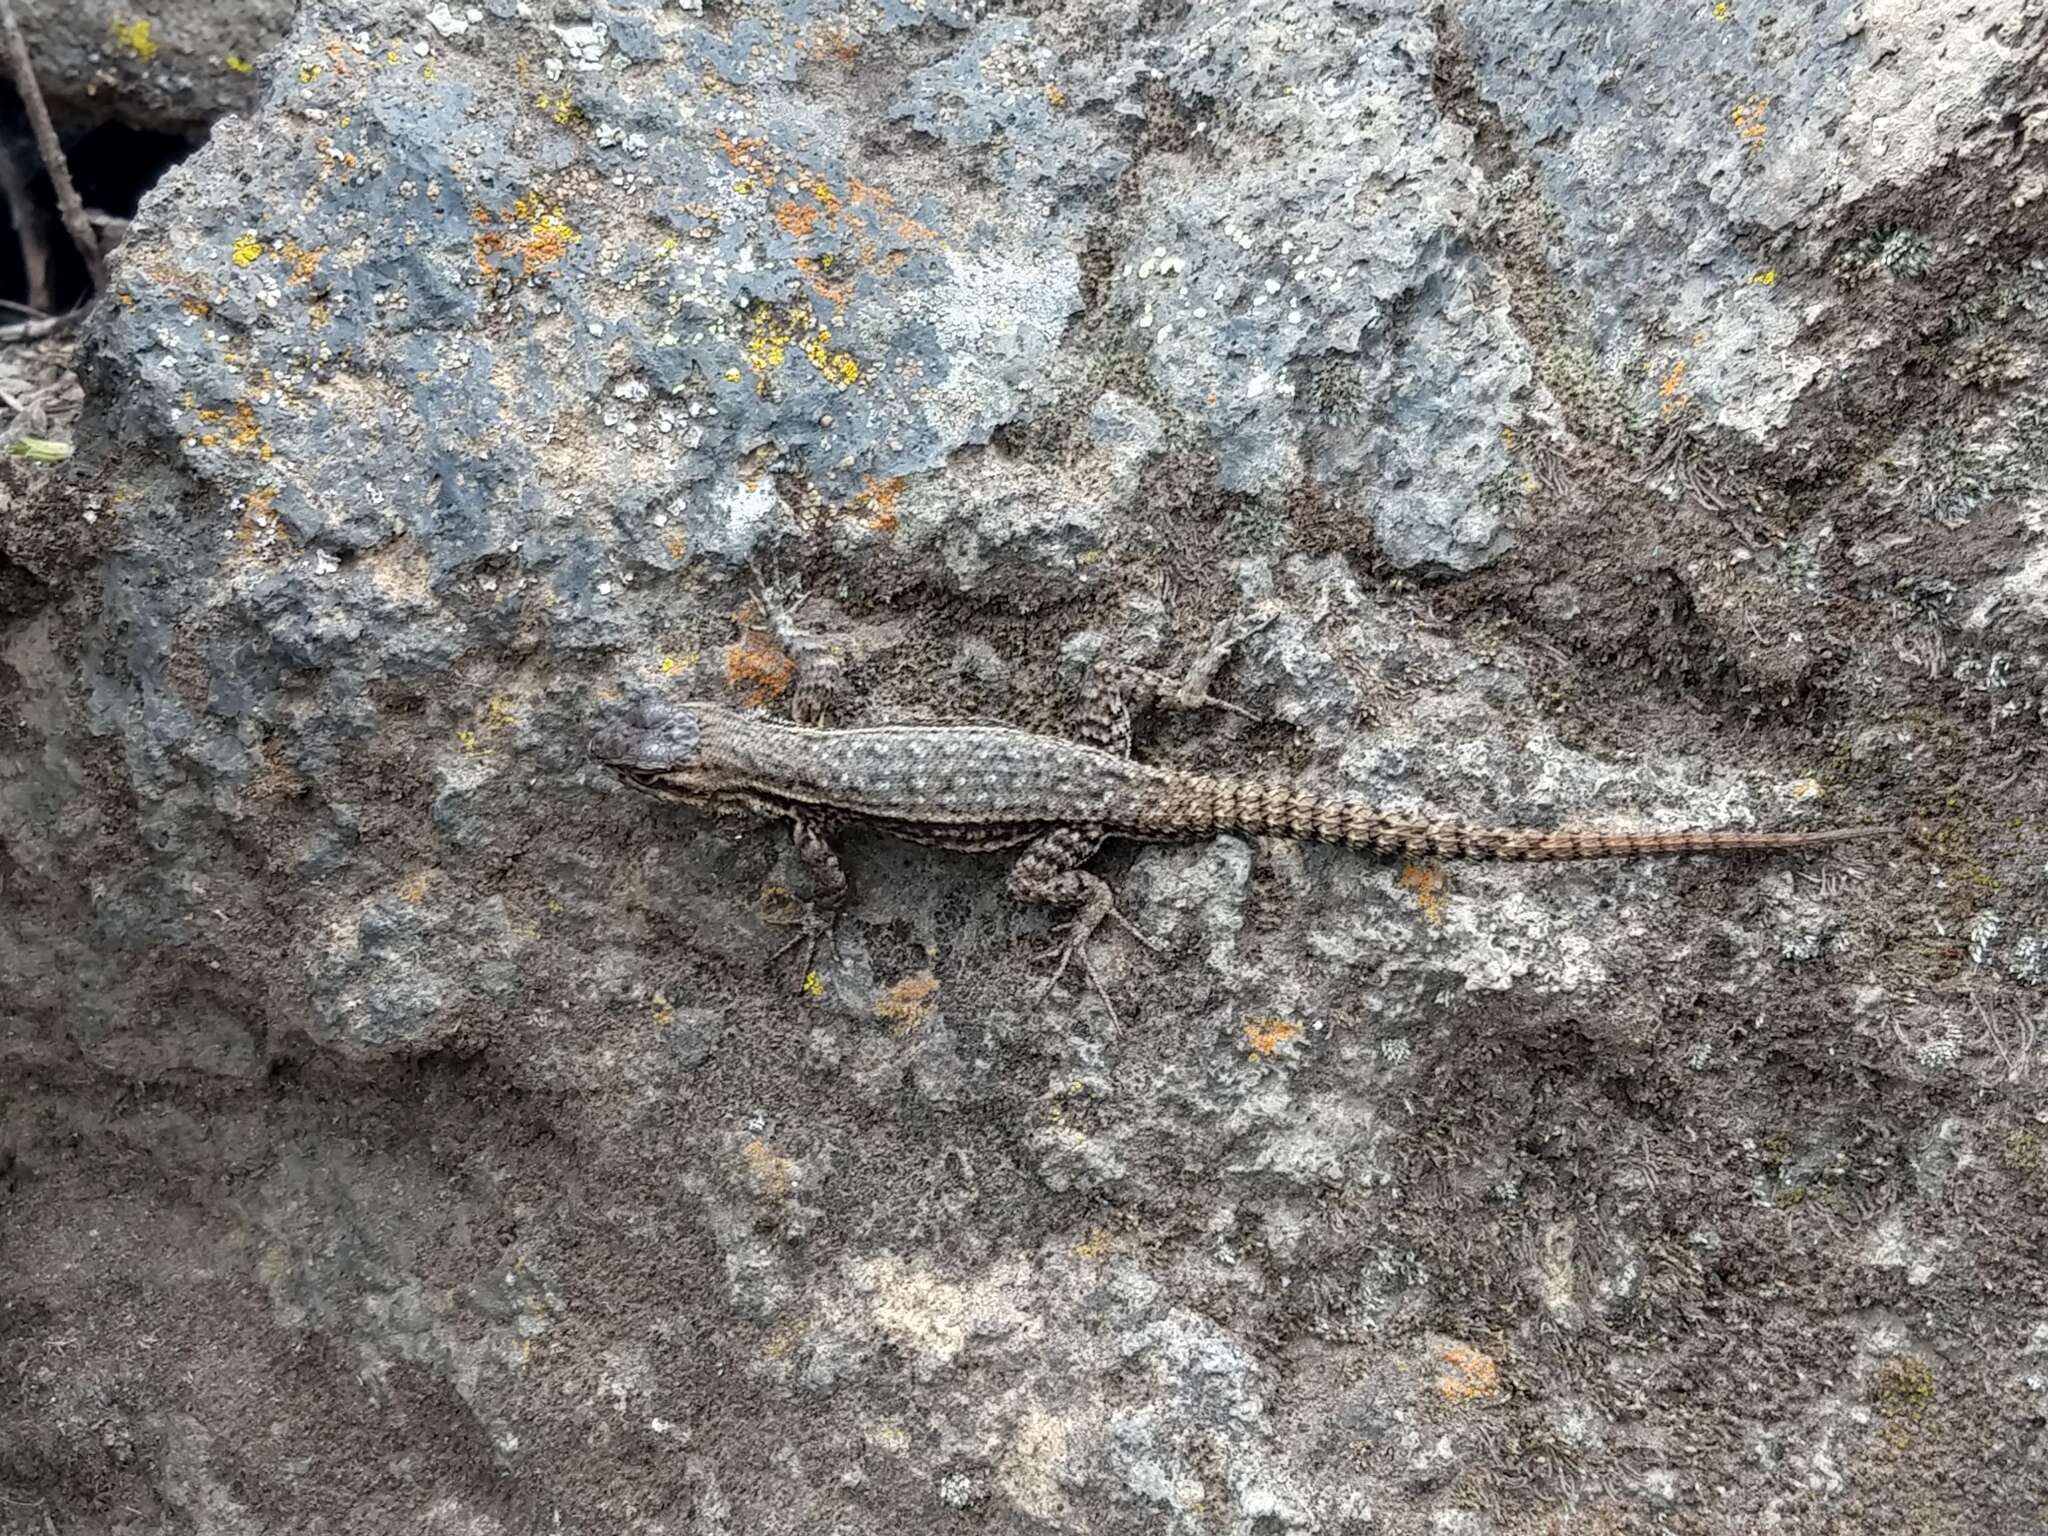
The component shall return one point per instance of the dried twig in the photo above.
(36, 330)
(28, 230)
(68, 205)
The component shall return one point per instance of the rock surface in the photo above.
(406, 1128)
(169, 65)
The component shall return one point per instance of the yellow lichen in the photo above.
(248, 249)
(238, 64)
(134, 36)
(561, 108)
(1096, 1246)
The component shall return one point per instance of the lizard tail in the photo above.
(1276, 810)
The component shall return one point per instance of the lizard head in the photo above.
(655, 746)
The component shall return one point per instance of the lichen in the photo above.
(135, 37)
(758, 669)
(910, 1003)
(1266, 1034)
(1472, 1377)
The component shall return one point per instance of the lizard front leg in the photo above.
(1050, 871)
(1115, 691)
(819, 678)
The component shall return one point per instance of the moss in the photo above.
(2023, 1152)
(1902, 1388)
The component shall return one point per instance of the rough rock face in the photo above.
(170, 65)
(1623, 415)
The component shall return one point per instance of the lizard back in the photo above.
(944, 774)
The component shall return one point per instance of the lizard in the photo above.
(983, 788)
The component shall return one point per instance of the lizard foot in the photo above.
(1073, 946)
(816, 927)
(1190, 691)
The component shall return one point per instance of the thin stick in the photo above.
(35, 256)
(36, 330)
(52, 152)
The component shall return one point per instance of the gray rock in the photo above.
(1618, 419)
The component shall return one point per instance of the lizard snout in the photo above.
(649, 736)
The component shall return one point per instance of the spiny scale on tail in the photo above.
(1195, 805)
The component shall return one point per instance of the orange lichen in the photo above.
(1472, 1375)
(772, 1173)
(1672, 391)
(859, 192)
(540, 237)
(259, 513)
(797, 219)
(877, 499)
(1428, 884)
(1266, 1034)
(1749, 121)
(303, 263)
(745, 154)
(759, 668)
(910, 1002)
(247, 431)
(814, 269)
(413, 888)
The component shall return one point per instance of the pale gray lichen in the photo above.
(2028, 961)
(1984, 928)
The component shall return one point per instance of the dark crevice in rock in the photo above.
(113, 163)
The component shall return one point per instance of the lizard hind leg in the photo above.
(815, 919)
(1049, 871)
